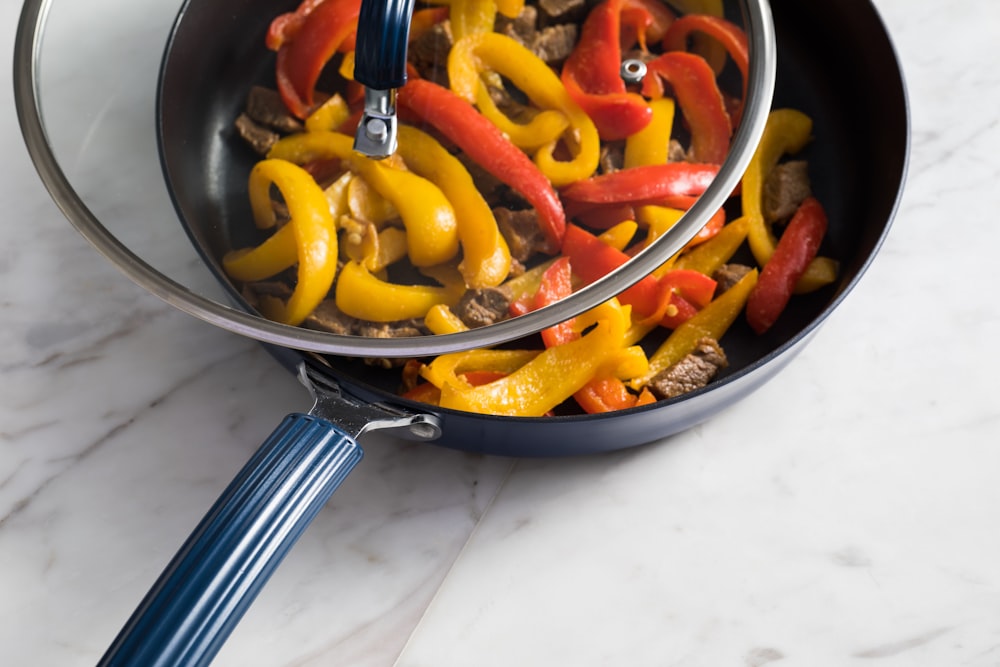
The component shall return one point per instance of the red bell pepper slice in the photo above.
(700, 101)
(284, 27)
(797, 247)
(729, 35)
(644, 21)
(485, 144)
(557, 284)
(592, 259)
(711, 228)
(592, 76)
(306, 41)
(650, 297)
(646, 184)
(605, 395)
(694, 286)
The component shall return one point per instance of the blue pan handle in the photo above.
(218, 572)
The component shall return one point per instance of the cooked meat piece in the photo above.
(510, 106)
(265, 106)
(479, 307)
(258, 137)
(429, 52)
(676, 152)
(692, 372)
(554, 44)
(612, 157)
(561, 11)
(400, 329)
(521, 231)
(523, 28)
(785, 188)
(327, 317)
(489, 186)
(728, 275)
(276, 288)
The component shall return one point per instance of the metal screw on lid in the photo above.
(633, 70)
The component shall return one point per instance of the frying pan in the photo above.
(835, 62)
(857, 159)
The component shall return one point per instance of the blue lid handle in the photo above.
(380, 65)
(380, 51)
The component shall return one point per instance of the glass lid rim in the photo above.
(760, 88)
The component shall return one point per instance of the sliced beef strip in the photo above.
(522, 28)
(784, 190)
(521, 231)
(400, 329)
(728, 275)
(327, 317)
(612, 157)
(692, 372)
(257, 136)
(561, 11)
(480, 307)
(489, 186)
(554, 43)
(676, 152)
(264, 105)
(429, 52)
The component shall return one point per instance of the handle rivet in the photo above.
(377, 130)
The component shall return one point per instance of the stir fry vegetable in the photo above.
(527, 167)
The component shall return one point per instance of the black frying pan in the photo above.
(835, 63)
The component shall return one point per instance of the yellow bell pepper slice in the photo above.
(549, 378)
(619, 236)
(329, 116)
(786, 131)
(474, 55)
(441, 320)
(485, 256)
(448, 367)
(432, 230)
(651, 144)
(360, 294)
(708, 257)
(270, 258)
(311, 228)
(712, 321)
(545, 127)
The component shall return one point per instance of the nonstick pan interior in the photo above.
(835, 63)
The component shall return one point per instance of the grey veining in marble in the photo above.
(845, 514)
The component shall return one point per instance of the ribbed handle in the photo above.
(203, 593)
(380, 51)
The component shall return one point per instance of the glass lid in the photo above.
(87, 89)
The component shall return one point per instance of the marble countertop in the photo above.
(848, 513)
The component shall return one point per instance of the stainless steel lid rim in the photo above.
(761, 82)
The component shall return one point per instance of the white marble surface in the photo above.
(846, 514)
